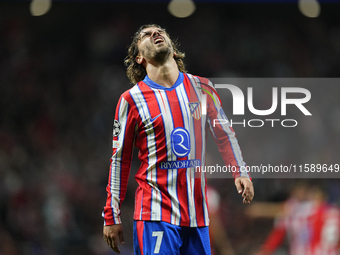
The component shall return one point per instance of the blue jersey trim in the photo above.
(155, 85)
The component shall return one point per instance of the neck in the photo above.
(164, 74)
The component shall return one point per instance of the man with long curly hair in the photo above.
(166, 115)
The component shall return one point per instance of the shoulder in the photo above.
(200, 81)
(128, 94)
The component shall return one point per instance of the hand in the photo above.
(245, 186)
(111, 234)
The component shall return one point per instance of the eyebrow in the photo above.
(149, 32)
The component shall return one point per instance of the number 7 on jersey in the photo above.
(159, 235)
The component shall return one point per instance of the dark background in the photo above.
(62, 73)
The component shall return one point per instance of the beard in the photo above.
(159, 54)
(162, 54)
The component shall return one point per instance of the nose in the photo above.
(155, 32)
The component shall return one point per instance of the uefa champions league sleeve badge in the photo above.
(116, 128)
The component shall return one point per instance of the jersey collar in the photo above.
(154, 85)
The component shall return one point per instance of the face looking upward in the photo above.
(153, 44)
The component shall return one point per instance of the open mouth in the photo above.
(158, 39)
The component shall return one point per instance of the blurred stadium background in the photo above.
(61, 74)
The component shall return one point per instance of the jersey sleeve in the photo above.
(223, 133)
(274, 239)
(122, 148)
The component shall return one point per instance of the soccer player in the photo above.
(165, 115)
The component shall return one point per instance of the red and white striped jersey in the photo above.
(169, 130)
(311, 228)
(294, 223)
(326, 225)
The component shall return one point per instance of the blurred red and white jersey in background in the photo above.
(326, 227)
(311, 229)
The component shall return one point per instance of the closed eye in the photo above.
(148, 33)
(145, 34)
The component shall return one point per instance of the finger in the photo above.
(239, 187)
(247, 189)
(111, 243)
(251, 191)
(121, 237)
(248, 198)
(107, 240)
(246, 201)
(115, 245)
(248, 194)
(116, 249)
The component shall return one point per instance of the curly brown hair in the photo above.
(137, 72)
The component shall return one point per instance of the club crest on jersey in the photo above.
(195, 110)
(116, 128)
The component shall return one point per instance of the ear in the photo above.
(139, 59)
(175, 54)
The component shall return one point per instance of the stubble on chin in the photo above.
(159, 54)
(162, 53)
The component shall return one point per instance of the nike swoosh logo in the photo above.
(152, 119)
